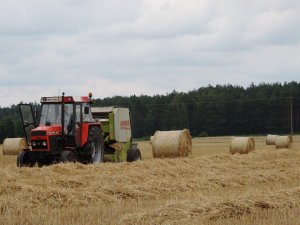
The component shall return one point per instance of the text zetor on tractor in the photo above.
(67, 132)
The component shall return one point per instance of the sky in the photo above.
(143, 47)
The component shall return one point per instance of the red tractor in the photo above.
(66, 132)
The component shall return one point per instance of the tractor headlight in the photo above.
(44, 143)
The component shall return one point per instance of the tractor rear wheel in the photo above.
(96, 145)
(67, 156)
(134, 155)
(23, 159)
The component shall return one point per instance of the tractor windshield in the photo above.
(51, 114)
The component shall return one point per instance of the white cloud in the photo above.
(143, 46)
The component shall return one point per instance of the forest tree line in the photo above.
(208, 111)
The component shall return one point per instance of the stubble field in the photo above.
(210, 187)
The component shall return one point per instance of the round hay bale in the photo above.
(151, 139)
(270, 140)
(177, 143)
(284, 142)
(12, 146)
(242, 145)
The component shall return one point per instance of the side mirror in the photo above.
(86, 110)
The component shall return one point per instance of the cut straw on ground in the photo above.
(210, 187)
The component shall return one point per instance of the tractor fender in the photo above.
(85, 131)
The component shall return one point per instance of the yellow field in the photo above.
(210, 187)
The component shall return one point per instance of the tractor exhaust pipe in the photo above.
(63, 118)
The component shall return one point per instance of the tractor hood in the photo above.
(47, 130)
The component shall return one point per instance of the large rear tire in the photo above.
(96, 145)
(23, 159)
(67, 156)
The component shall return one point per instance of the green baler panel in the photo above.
(120, 154)
(105, 127)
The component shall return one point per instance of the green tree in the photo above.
(7, 128)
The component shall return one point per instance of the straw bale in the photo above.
(177, 143)
(270, 140)
(151, 139)
(242, 145)
(12, 146)
(284, 142)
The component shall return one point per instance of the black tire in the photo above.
(44, 162)
(96, 146)
(23, 159)
(134, 155)
(67, 156)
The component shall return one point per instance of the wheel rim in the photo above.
(96, 150)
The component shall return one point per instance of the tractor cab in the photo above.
(66, 118)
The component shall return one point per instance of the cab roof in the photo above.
(66, 99)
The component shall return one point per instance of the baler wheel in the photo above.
(134, 155)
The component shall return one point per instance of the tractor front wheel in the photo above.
(23, 159)
(67, 156)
